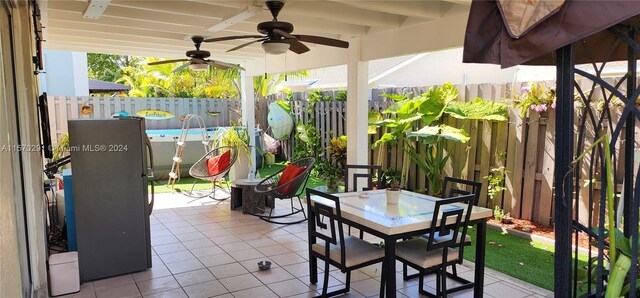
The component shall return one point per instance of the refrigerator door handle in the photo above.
(150, 173)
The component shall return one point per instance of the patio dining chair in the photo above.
(213, 166)
(287, 184)
(372, 171)
(456, 186)
(351, 173)
(345, 253)
(435, 254)
(453, 187)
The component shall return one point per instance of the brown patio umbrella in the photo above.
(509, 33)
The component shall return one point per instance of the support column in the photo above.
(563, 174)
(248, 117)
(630, 202)
(357, 105)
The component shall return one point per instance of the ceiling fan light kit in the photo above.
(275, 47)
(198, 59)
(198, 67)
(277, 36)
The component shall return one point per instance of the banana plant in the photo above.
(418, 121)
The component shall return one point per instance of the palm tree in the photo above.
(268, 84)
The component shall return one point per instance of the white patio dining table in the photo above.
(411, 217)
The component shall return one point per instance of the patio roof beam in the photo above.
(421, 9)
(157, 41)
(195, 22)
(230, 21)
(232, 4)
(95, 8)
(205, 10)
(67, 8)
(339, 12)
(142, 51)
(115, 51)
(67, 16)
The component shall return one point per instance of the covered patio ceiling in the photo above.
(163, 28)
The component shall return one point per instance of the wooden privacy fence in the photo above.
(329, 117)
(527, 142)
(215, 112)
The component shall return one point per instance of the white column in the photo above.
(357, 105)
(248, 116)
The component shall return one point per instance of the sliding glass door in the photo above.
(14, 253)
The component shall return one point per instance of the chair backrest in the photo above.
(200, 170)
(457, 208)
(291, 189)
(453, 187)
(326, 206)
(372, 171)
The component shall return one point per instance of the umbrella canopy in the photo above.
(510, 35)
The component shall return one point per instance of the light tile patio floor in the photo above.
(202, 249)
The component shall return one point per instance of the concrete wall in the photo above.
(65, 74)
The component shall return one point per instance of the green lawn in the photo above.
(517, 257)
(185, 183)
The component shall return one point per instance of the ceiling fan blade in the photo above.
(224, 65)
(181, 67)
(167, 61)
(283, 34)
(323, 41)
(296, 46)
(232, 38)
(245, 44)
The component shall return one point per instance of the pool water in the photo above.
(176, 132)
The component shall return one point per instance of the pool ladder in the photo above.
(174, 175)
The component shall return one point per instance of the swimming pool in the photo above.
(163, 143)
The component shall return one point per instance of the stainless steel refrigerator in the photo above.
(112, 166)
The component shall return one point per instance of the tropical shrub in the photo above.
(417, 123)
(536, 96)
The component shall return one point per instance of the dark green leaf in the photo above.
(433, 134)
(373, 118)
(394, 97)
(387, 137)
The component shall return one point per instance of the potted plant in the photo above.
(392, 180)
(330, 173)
(238, 137)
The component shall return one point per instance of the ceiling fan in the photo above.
(277, 37)
(197, 59)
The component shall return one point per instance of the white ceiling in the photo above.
(163, 28)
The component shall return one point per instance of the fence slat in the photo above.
(484, 143)
(546, 187)
(528, 187)
(501, 136)
(472, 92)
